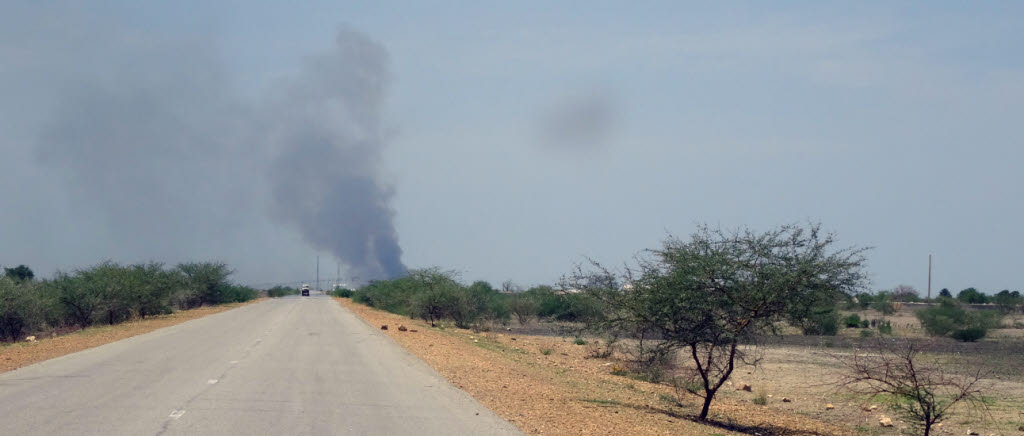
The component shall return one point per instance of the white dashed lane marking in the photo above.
(211, 381)
(176, 414)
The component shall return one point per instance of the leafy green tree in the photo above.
(949, 319)
(205, 283)
(152, 287)
(79, 299)
(19, 273)
(523, 306)
(945, 293)
(882, 302)
(20, 308)
(719, 289)
(971, 296)
(864, 300)
(905, 294)
(1008, 301)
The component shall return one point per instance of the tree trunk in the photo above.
(708, 396)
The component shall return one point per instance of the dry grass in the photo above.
(565, 392)
(17, 355)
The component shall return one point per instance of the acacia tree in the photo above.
(709, 295)
(19, 273)
(924, 389)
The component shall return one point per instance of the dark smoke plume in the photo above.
(157, 151)
(328, 133)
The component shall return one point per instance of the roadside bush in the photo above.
(281, 291)
(852, 321)
(20, 308)
(206, 283)
(111, 293)
(342, 292)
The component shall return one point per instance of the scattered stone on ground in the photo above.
(786, 400)
(829, 406)
(402, 328)
(885, 422)
(384, 327)
(744, 387)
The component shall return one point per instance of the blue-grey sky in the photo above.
(508, 140)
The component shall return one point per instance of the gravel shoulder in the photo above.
(19, 354)
(550, 385)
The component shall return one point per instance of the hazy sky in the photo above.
(508, 140)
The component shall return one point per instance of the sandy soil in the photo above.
(17, 355)
(549, 385)
(807, 375)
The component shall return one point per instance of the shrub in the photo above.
(852, 321)
(820, 322)
(281, 291)
(865, 333)
(579, 341)
(523, 306)
(206, 283)
(342, 293)
(761, 398)
(885, 329)
(545, 351)
(949, 319)
(20, 308)
(970, 334)
(864, 324)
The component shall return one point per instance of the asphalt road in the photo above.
(297, 365)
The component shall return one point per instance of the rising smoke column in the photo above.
(326, 128)
(160, 157)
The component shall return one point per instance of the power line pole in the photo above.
(929, 276)
(318, 272)
(337, 277)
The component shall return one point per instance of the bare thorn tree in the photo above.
(924, 389)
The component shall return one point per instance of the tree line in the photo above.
(434, 294)
(109, 293)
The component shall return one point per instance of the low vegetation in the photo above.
(949, 319)
(436, 295)
(689, 313)
(109, 293)
(282, 291)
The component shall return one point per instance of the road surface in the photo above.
(296, 365)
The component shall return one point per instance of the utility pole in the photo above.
(318, 272)
(337, 276)
(929, 276)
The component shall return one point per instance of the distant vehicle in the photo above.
(305, 290)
